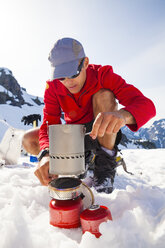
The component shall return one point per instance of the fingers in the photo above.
(96, 126)
(53, 176)
(39, 176)
(115, 125)
(107, 123)
(42, 172)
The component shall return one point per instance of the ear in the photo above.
(86, 62)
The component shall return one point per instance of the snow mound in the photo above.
(137, 206)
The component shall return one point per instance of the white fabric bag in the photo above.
(11, 144)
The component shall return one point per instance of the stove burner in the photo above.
(65, 183)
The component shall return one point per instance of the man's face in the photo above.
(74, 85)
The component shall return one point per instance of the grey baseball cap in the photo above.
(64, 57)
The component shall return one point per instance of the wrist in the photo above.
(128, 117)
(43, 153)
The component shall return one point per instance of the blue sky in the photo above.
(127, 34)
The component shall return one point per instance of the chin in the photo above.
(74, 91)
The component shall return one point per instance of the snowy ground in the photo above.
(137, 206)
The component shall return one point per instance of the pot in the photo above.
(66, 149)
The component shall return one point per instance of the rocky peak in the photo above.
(10, 91)
(155, 134)
(8, 81)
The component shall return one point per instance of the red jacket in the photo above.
(77, 108)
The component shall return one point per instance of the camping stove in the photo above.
(65, 188)
(66, 205)
(71, 198)
(70, 195)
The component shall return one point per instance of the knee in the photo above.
(104, 97)
(26, 139)
(30, 141)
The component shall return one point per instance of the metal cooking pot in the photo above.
(66, 149)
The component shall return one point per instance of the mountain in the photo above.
(154, 134)
(15, 103)
(135, 143)
(11, 93)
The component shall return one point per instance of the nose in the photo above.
(68, 80)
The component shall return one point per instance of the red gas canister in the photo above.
(65, 214)
(92, 217)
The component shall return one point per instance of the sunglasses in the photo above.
(78, 71)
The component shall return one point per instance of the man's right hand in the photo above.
(42, 171)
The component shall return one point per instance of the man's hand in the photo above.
(111, 122)
(42, 171)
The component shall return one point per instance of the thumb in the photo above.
(45, 173)
(96, 126)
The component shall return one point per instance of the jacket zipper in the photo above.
(81, 94)
(78, 97)
(71, 96)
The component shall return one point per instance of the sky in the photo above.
(129, 35)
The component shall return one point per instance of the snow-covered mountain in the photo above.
(12, 94)
(135, 143)
(15, 103)
(155, 134)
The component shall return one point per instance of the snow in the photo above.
(2, 89)
(7, 71)
(12, 115)
(28, 98)
(130, 145)
(137, 205)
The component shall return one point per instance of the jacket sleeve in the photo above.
(141, 107)
(51, 114)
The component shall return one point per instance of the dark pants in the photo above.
(91, 144)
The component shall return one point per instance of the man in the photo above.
(87, 95)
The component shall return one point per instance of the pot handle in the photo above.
(87, 133)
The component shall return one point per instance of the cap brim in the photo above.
(65, 70)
